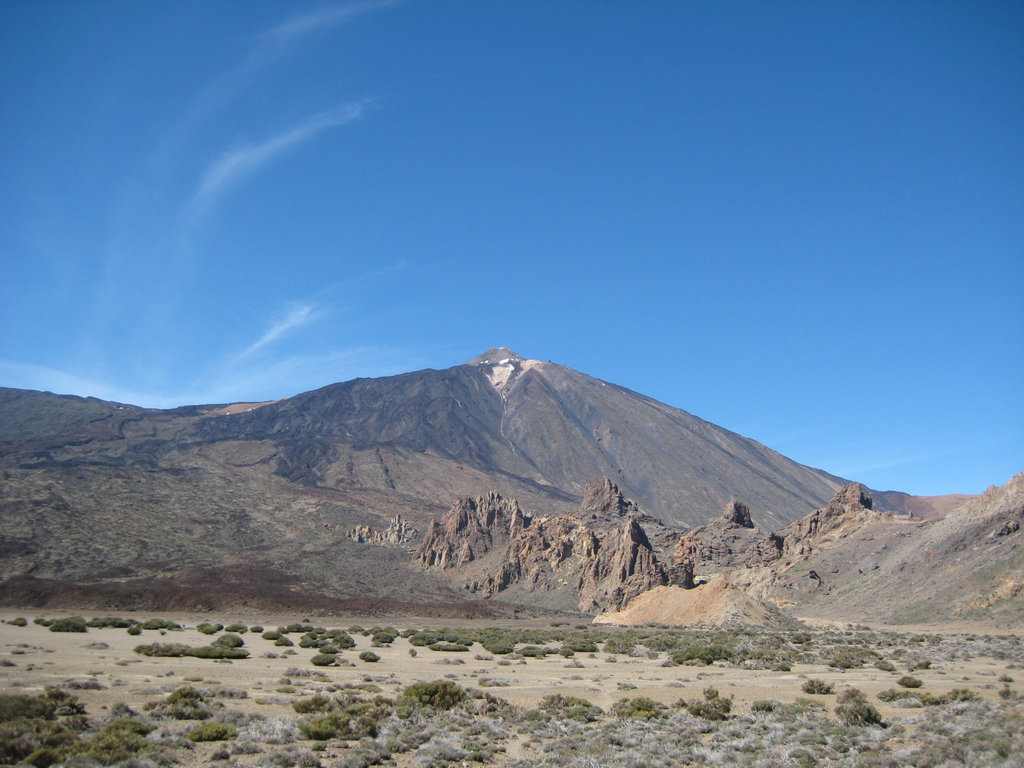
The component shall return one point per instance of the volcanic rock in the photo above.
(601, 567)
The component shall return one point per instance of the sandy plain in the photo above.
(102, 669)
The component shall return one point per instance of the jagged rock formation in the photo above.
(850, 506)
(582, 558)
(727, 542)
(399, 533)
(470, 529)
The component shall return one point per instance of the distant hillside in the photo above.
(850, 562)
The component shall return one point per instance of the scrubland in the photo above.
(161, 690)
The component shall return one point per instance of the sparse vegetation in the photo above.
(69, 624)
(854, 709)
(213, 732)
(301, 714)
(816, 686)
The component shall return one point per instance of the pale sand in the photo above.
(43, 658)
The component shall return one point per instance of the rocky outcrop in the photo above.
(727, 542)
(399, 533)
(470, 529)
(602, 500)
(731, 542)
(603, 566)
(624, 566)
(850, 506)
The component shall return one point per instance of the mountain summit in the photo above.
(497, 356)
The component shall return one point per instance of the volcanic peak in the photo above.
(497, 356)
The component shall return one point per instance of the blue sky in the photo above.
(803, 221)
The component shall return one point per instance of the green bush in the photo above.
(311, 640)
(160, 624)
(54, 702)
(309, 704)
(533, 651)
(239, 629)
(570, 708)
(640, 708)
(620, 644)
(256, 628)
(384, 636)
(764, 705)
(271, 634)
(369, 656)
(115, 746)
(20, 621)
(453, 647)
(229, 640)
(284, 642)
(816, 686)
(209, 629)
(212, 732)
(701, 654)
(909, 682)
(217, 652)
(854, 709)
(185, 703)
(439, 694)
(36, 741)
(581, 644)
(69, 624)
(322, 660)
(135, 629)
(712, 707)
(499, 645)
(131, 725)
(329, 726)
(424, 638)
(111, 622)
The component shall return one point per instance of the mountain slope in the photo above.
(541, 430)
(106, 496)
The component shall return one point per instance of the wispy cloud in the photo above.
(296, 317)
(235, 165)
(321, 18)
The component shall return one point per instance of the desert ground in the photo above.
(641, 696)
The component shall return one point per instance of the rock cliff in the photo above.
(597, 559)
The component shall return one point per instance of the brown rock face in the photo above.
(738, 514)
(601, 498)
(730, 541)
(850, 505)
(470, 529)
(603, 568)
(624, 567)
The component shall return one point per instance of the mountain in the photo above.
(280, 503)
(536, 430)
